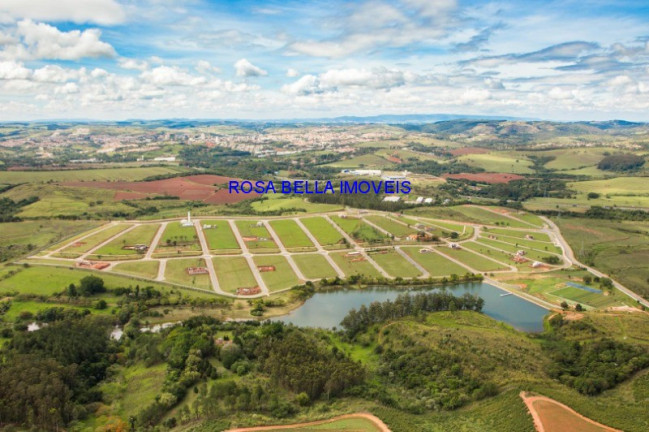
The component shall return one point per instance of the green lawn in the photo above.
(176, 272)
(487, 217)
(350, 267)
(289, 204)
(534, 244)
(500, 256)
(359, 230)
(264, 242)
(283, 277)
(88, 243)
(498, 162)
(323, 231)
(509, 247)
(538, 236)
(177, 239)
(314, 266)
(395, 265)
(145, 269)
(142, 234)
(291, 235)
(220, 237)
(132, 387)
(473, 260)
(394, 228)
(233, 273)
(434, 263)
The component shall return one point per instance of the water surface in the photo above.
(327, 309)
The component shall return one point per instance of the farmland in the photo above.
(109, 174)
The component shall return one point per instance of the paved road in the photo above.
(91, 233)
(321, 250)
(286, 254)
(161, 269)
(155, 241)
(102, 244)
(248, 256)
(424, 273)
(207, 257)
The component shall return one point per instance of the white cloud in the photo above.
(205, 67)
(54, 74)
(10, 70)
(292, 73)
(104, 12)
(246, 69)
(134, 64)
(43, 41)
(171, 76)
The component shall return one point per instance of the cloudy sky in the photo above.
(120, 59)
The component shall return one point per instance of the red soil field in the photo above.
(485, 177)
(195, 188)
(468, 150)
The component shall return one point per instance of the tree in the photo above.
(579, 307)
(564, 305)
(90, 285)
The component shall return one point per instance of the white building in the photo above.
(391, 199)
(187, 222)
(165, 159)
(363, 172)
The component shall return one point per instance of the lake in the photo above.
(327, 309)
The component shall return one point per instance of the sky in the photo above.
(151, 59)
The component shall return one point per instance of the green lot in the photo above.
(314, 266)
(264, 242)
(473, 260)
(359, 230)
(220, 236)
(323, 231)
(499, 162)
(142, 234)
(110, 174)
(89, 243)
(394, 228)
(291, 235)
(176, 272)
(283, 277)
(177, 239)
(233, 273)
(350, 267)
(395, 265)
(145, 269)
(434, 263)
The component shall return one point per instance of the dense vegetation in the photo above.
(621, 162)
(9, 208)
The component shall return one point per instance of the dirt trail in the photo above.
(538, 424)
(377, 422)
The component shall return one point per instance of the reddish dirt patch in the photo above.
(377, 422)
(468, 150)
(195, 188)
(550, 415)
(485, 177)
(394, 159)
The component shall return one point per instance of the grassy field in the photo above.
(534, 244)
(281, 202)
(20, 238)
(503, 257)
(233, 273)
(264, 242)
(434, 263)
(89, 243)
(367, 161)
(343, 425)
(142, 234)
(176, 272)
(130, 388)
(498, 162)
(391, 226)
(359, 230)
(45, 280)
(324, 233)
(487, 217)
(395, 265)
(350, 267)
(145, 269)
(473, 260)
(111, 174)
(538, 236)
(220, 236)
(509, 247)
(283, 277)
(618, 248)
(291, 235)
(177, 239)
(314, 266)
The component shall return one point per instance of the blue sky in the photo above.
(119, 59)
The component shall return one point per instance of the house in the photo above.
(454, 246)
(529, 237)
(391, 199)
(537, 264)
(259, 224)
(428, 201)
(520, 252)
(518, 259)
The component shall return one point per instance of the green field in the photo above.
(500, 256)
(538, 236)
(534, 244)
(314, 266)
(343, 425)
(106, 174)
(291, 204)
(434, 263)
(472, 260)
(359, 230)
(142, 234)
(367, 161)
(283, 277)
(264, 242)
(509, 247)
(47, 280)
(132, 386)
(145, 269)
(91, 242)
(321, 229)
(176, 272)
(220, 237)
(291, 235)
(498, 162)
(358, 267)
(177, 239)
(233, 273)
(395, 265)
(395, 228)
